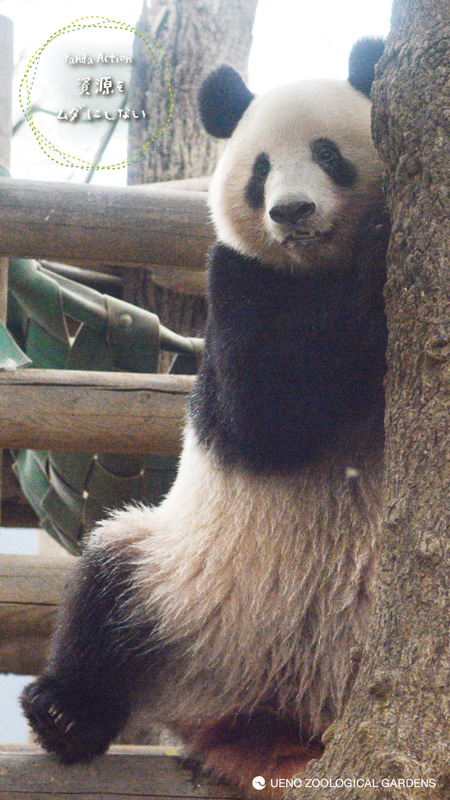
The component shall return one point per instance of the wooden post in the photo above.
(6, 75)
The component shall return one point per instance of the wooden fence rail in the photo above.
(30, 590)
(93, 411)
(98, 225)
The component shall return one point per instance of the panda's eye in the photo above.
(325, 152)
(327, 155)
(254, 191)
(261, 167)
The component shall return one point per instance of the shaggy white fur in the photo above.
(264, 584)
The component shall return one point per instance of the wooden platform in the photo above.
(124, 773)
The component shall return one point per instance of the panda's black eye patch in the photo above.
(327, 155)
(254, 191)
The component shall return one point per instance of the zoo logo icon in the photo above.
(259, 782)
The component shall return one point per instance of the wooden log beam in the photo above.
(33, 581)
(25, 654)
(99, 225)
(93, 411)
(125, 773)
(30, 590)
(6, 78)
(183, 184)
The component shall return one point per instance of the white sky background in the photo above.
(293, 40)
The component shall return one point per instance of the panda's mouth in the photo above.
(304, 237)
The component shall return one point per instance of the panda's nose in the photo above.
(292, 213)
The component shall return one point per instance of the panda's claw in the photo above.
(59, 728)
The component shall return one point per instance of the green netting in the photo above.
(61, 324)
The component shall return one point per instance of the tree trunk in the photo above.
(196, 36)
(396, 727)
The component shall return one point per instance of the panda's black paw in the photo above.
(64, 723)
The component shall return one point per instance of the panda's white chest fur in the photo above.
(266, 581)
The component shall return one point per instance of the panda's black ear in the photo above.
(223, 98)
(361, 64)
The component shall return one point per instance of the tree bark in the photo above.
(397, 724)
(196, 36)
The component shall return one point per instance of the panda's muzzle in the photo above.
(291, 219)
(291, 214)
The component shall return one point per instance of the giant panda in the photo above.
(239, 607)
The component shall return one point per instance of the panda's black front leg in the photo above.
(98, 660)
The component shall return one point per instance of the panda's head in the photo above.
(300, 174)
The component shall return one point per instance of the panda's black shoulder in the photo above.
(267, 397)
(243, 291)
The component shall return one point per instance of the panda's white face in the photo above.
(298, 176)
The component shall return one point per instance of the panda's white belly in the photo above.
(265, 581)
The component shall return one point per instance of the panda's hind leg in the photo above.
(101, 655)
(242, 747)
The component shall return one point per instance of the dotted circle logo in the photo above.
(26, 86)
(259, 782)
